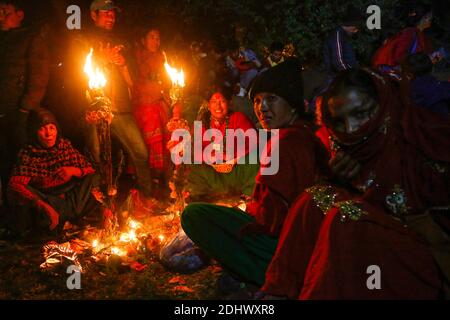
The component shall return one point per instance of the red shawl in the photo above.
(405, 153)
(302, 160)
(403, 145)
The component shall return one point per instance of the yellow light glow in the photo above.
(95, 243)
(97, 79)
(177, 77)
(134, 224)
(118, 251)
(242, 206)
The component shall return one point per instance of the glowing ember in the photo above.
(242, 206)
(134, 224)
(118, 251)
(129, 237)
(97, 79)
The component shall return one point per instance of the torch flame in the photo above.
(177, 77)
(97, 79)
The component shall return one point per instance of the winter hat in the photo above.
(352, 17)
(284, 80)
(38, 118)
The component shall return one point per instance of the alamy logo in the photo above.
(74, 280)
(222, 149)
(73, 22)
(374, 281)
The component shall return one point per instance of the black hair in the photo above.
(276, 46)
(18, 4)
(226, 91)
(352, 78)
(419, 64)
(416, 12)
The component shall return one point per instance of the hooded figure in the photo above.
(387, 216)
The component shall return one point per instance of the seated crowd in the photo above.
(354, 172)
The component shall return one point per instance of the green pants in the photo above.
(215, 230)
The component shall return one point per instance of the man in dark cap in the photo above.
(51, 177)
(338, 51)
(24, 74)
(111, 53)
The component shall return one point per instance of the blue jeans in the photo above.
(125, 130)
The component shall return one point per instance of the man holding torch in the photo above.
(109, 52)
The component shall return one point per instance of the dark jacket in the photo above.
(338, 53)
(24, 70)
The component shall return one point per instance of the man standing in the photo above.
(24, 74)
(110, 51)
(338, 52)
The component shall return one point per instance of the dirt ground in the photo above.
(22, 278)
(138, 275)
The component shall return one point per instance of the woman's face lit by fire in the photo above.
(218, 106)
(273, 111)
(350, 109)
(47, 135)
(152, 40)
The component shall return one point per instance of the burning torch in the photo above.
(100, 115)
(177, 122)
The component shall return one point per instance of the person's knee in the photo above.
(192, 214)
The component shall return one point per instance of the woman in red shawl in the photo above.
(334, 237)
(244, 242)
(151, 110)
(410, 40)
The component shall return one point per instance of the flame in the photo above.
(134, 224)
(177, 77)
(95, 243)
(242, 206)
(161, 238)
(128, 237)
(118, 251)
(97, 79)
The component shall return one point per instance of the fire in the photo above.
(97, 79)
(134, 224)
(129, 237)
(242, 206)
(161, 238)
(95, 243)
(177, 77)
(118, 251)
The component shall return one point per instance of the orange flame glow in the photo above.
(97, 79)
(177, 77)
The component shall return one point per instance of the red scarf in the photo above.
(403, 147)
